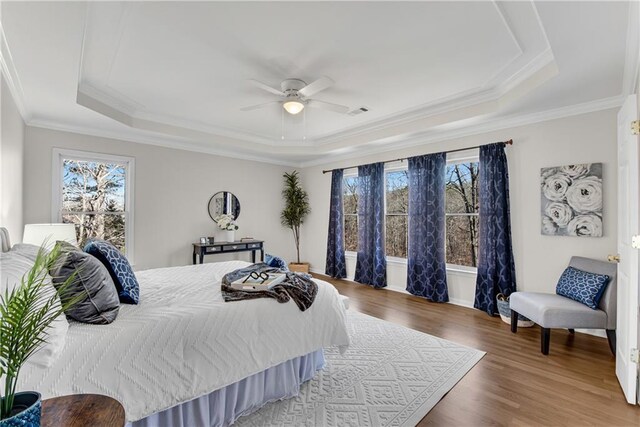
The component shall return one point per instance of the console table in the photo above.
(202, 249)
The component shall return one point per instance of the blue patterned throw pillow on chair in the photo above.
(582, 286)
(276, 262)
(119, 269)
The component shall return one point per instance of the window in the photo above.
(94, 191)
(461, 207)
(350, 207)
(396, 212)
(461, 213)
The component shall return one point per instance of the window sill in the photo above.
(451, 268)
(462, 269)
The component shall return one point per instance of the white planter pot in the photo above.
(228, 235)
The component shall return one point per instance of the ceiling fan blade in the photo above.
(258, 106)
(312, 88)
(329, 106)
(266, 87)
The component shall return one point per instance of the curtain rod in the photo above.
(509, 142)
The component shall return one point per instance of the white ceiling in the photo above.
(175, 74)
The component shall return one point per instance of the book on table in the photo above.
(261, 282)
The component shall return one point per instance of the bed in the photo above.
(183, 357)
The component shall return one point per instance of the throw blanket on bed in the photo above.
(298, 287)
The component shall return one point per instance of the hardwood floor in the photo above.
(514, 384)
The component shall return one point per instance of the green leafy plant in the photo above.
(296, 206)
(26, 312)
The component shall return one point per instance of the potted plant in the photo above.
(26, 312)
(296, 208)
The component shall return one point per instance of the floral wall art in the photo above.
(572, 200)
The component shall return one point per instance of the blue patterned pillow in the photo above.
(275, 261)
(582, 286)
(118, 267)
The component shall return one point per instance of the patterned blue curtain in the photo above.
(371, 267)
(496, 270)
(335, 265)
(426, 266)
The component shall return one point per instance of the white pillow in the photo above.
(12, 267)
(27, 250)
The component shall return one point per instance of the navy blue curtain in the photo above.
(426, 264)
(496, 270)
(371, 267)
(335, 265)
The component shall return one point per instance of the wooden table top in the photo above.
(81, 410)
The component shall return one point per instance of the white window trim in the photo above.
(59, 154)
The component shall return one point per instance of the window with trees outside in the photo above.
(461, 213)
(396, 212)
(350, 208)
(462, 207)
(94, 193)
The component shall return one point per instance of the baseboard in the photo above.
(454, 301)
(595, 332)
(460, 302)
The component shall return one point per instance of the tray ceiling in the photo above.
(176, 73)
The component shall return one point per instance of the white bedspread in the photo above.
(184, 341)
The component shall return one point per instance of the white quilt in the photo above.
(183, 341)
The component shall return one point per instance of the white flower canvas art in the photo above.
(572, 200)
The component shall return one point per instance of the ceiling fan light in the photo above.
(293, 107)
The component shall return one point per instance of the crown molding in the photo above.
(459, 101)
(156, 141)
(11, 77)
(488, 125)
(110, 104)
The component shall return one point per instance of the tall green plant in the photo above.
(26, 312)
(296, 206)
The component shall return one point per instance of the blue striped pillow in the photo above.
(582, 286)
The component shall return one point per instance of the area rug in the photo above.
(389, 376)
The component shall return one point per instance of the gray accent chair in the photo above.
(555, 311)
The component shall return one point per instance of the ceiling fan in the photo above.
(295, 94)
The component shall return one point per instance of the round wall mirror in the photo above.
(224, 202)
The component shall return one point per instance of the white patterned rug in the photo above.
(389, 376)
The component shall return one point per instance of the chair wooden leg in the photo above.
(514, 321)
(545, 338)
(572, 331)
(611, 336)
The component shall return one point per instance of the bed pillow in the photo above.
(26, 250)
(99, 303)
(582, 286)
(12, 268)
(275, 261)
(118, 267)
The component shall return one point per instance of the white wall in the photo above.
(539, 259)
(11, 165)
(172, 189)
